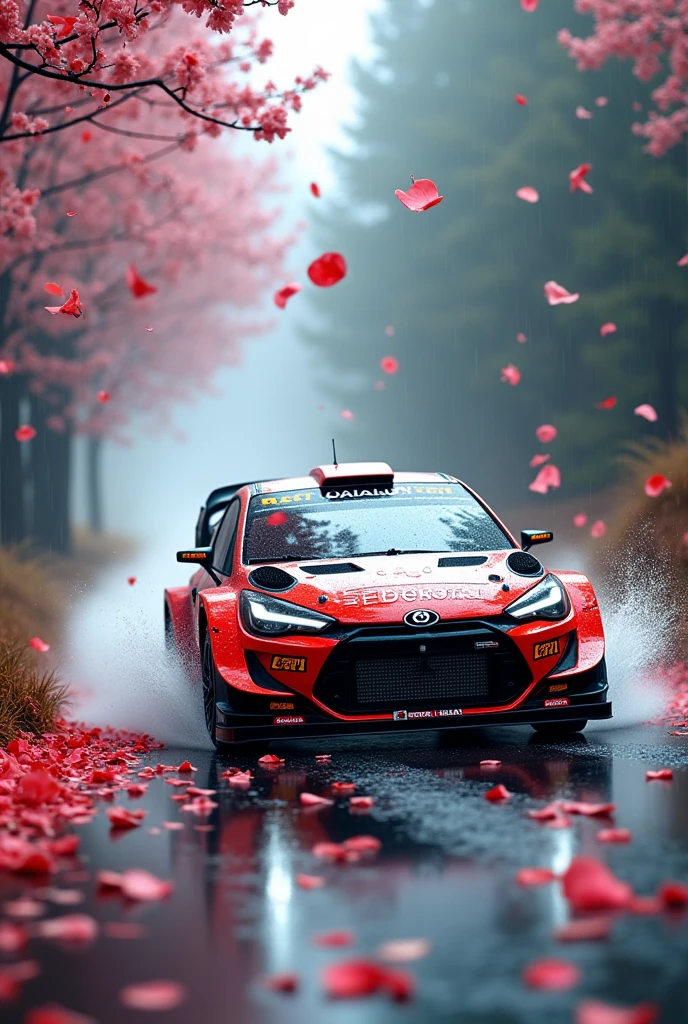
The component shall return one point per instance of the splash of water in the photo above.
(122, 675)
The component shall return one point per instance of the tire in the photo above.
(560, 729)
(209, 684)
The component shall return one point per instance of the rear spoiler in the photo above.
(215, 504)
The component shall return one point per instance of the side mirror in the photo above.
(530, 537)
(202, 557)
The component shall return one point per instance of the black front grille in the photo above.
(379, 670)
(440, 677)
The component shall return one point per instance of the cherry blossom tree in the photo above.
(95, 183)
(654, 35)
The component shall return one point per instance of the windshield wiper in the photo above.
(276, 558)
(396, 551)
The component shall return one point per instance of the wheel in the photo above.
(560, 729)
(208, 674)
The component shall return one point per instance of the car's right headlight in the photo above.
(268, 616)
(546, 600)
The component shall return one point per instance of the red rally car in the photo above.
(359, 600)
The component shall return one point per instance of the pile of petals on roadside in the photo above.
(52, 783)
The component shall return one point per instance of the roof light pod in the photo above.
(346, 473)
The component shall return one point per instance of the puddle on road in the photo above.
(445, 873)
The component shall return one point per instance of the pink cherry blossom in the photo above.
(577, 178)
(510, 375)
(521, 100)
(528, 194)
(389, 364)
(346, 414)
(583, 113)
(549, 476)
(539, 460)
(281, 297)
(608, 328)
(601, 101)
(683, 262)
(556, 294)
(546, 433)
(521, 338)
(580, 519)
(529, 5)
(598, 529)
(648, 412)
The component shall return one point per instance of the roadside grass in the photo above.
(30, 700)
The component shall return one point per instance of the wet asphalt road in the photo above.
(445, 873)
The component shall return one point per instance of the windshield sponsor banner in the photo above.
(457, 492)
(405, 716)
(390, 595)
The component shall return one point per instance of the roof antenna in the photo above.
(334, 455)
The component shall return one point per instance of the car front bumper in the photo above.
(233, 728)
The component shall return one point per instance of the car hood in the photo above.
(384, 588)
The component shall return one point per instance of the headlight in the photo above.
(547, 600)
(267, 616)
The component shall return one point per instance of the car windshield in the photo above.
(351, 523)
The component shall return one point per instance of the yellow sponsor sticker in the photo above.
(284, 663)
(280, 705)
(547, 649)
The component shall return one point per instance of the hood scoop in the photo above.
(461, 561)
(524, 564)
(331, 569)
(269, 577)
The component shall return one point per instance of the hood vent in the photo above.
(269, 577)
(331, 569)
(524, 564)
(461, 561)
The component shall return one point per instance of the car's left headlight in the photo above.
(547, 600)
(268, 616)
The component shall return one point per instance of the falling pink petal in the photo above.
(660, 773)
(655, 484)
(529, 5)
(552, 975)
(598, 529)
(390, 331)
(25, 433)
(6, 367)
(103, 396)
(583, 113)
(153, 995)
(315, 190)
(592, 1011)
(39, 645)
(549, 476)
(601, 101)
(277, 519)
(346, 414)
(546, 433)
(138, 287)
(312, 800)
(148, 328)
(577, 178)
(72, 307)
(528, 877)
(609, 328)
(327, 270)
(648, 412)
(404, 950)
(71, 213)
(556, 294)
(379, 385)
(281, 297)
(490, 763)
(310, 881)
(539, 460)
(388, 364)
(510, 375)
(683, 262)
(498, 794)
(637, 106)
(421, 196)
(521, 338)
(131, 580)
(580, 519)
(614, 835)
(528, 194)
(521, 100)
(51, 288)
(607, 403)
